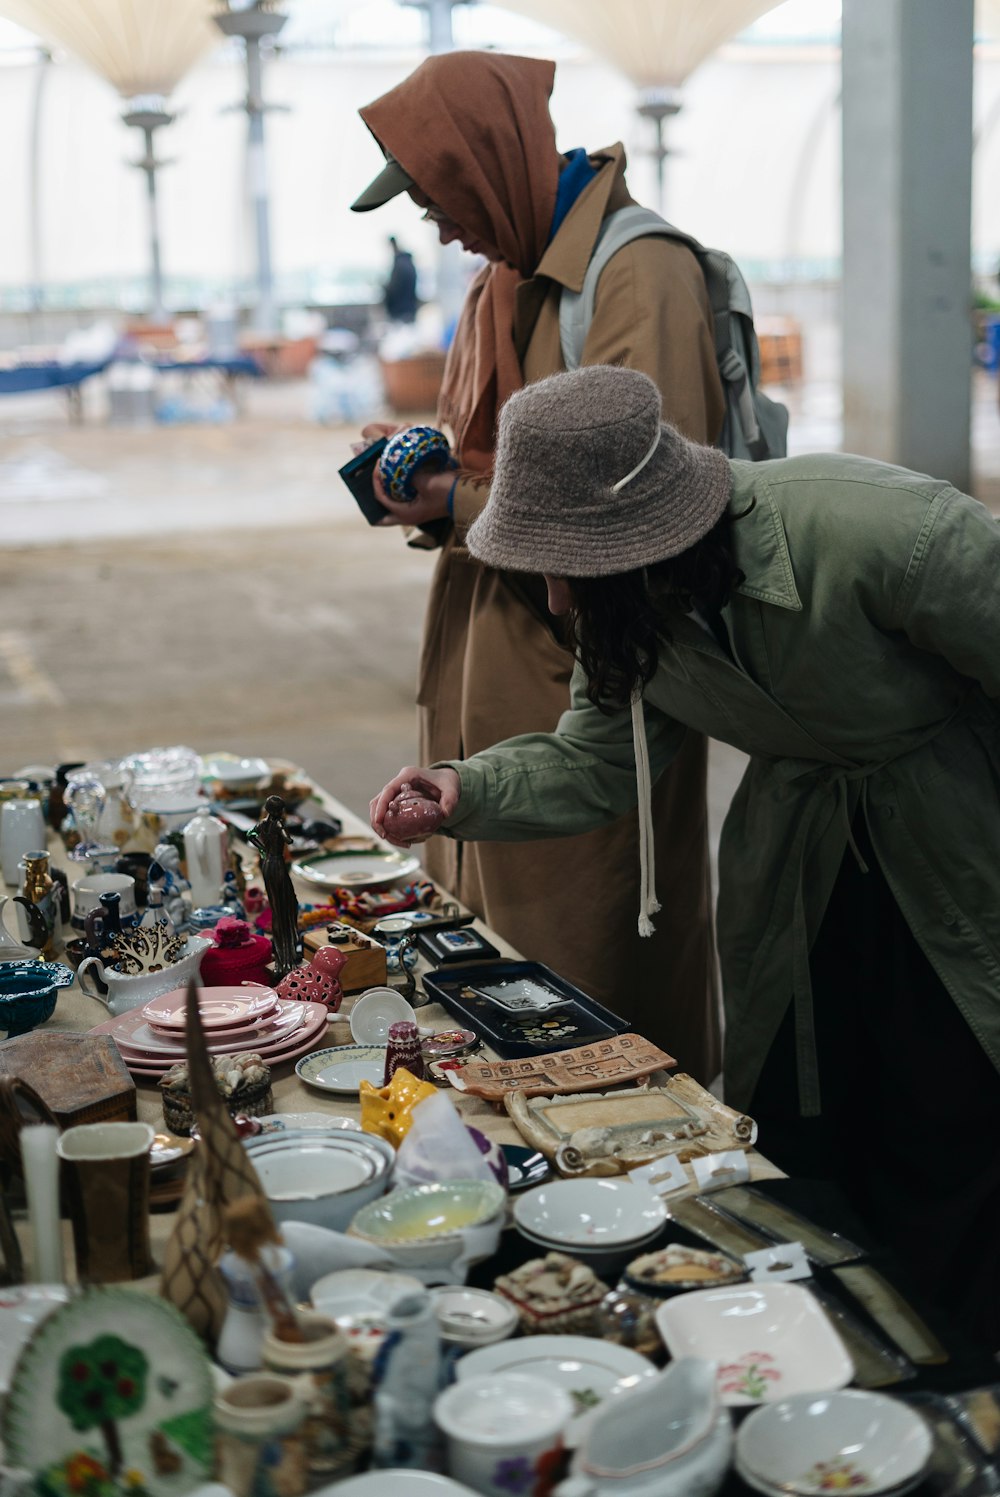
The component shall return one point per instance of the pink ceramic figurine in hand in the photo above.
(414, 804)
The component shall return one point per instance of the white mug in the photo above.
(22, 829)
(501, 1428)
(87, 893)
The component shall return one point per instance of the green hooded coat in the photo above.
(865, 679)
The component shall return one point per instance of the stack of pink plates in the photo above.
(250, 1017)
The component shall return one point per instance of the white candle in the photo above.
(41, 1180)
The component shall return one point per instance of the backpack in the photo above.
(755, 427)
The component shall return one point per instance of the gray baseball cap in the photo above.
(391, 181)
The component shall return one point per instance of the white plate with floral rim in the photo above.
(112, 1395)
(588, 1369)
(768, 1340)
(342, 1068)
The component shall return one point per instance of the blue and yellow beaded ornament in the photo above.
(406, 453)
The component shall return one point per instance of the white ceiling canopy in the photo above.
(656, 43)
(140, 46)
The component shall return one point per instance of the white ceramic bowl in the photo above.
(358, 1299)
(473, 1317)
(769, 1340)
(373, 1013)
(423, 1211)
(322, 1178)
(852, 1441)
(589, 1214)
(389, 1484)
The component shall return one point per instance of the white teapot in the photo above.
(126, 992)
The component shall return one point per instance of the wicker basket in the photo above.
(414, 384)
(254, 1101)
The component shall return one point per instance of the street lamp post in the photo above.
(253, 24)
(659, 105)
(149, 115)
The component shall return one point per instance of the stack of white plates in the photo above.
(321, 1177)
(247, 1018)
(596, 1220)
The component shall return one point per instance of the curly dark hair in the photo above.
(620, 622)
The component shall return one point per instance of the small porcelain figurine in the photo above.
(408, 1374)
(388, 1110)
(270, 837)
(166, 872)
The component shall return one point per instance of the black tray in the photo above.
(577, 1021)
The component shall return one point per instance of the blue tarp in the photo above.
(48, 375)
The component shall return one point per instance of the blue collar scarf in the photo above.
(573, 178)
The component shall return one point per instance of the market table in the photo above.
(76, 1013)
(967, 1367)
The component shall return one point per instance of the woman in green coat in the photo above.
(838, 620)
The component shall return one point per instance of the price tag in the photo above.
(662, 1175)
(716, 1171)
(785, 1260)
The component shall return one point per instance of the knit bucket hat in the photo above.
(589, 481)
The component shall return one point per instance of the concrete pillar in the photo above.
(907, 113)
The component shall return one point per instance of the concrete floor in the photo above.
(215, 586)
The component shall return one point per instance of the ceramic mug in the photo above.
(107, 1185)
(87, 893)
(504, 1432)
(22, 830)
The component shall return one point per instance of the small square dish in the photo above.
(769, 1340)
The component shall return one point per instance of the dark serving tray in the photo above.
(574, 1020)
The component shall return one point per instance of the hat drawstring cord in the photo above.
(648, 902)
(639, 466)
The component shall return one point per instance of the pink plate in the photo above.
(305, 1038)
(133, 1035)
(264, 1025)
(221, 1008)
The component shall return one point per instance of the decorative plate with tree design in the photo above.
(112, 1395)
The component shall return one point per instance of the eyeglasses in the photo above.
(433, 215)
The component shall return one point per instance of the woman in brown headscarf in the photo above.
(468, 135)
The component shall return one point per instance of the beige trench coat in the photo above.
(494, 664)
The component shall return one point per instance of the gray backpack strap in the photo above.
(576, 308)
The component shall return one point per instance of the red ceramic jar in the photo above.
(237, 956)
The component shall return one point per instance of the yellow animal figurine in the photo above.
(388, 1110)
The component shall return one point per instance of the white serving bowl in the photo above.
(321, 1178)
(594, 1216)
(473, 1317)
(864, 1443)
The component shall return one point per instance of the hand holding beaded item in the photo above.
(406, 453)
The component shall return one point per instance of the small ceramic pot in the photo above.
(320, 1364)
(259, 1448)
(125, 993)
(406, 453)
(504, 1432)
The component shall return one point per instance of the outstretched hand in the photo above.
(440, 785)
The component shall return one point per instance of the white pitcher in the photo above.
(125, 993)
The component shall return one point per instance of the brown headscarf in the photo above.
(474, 132)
